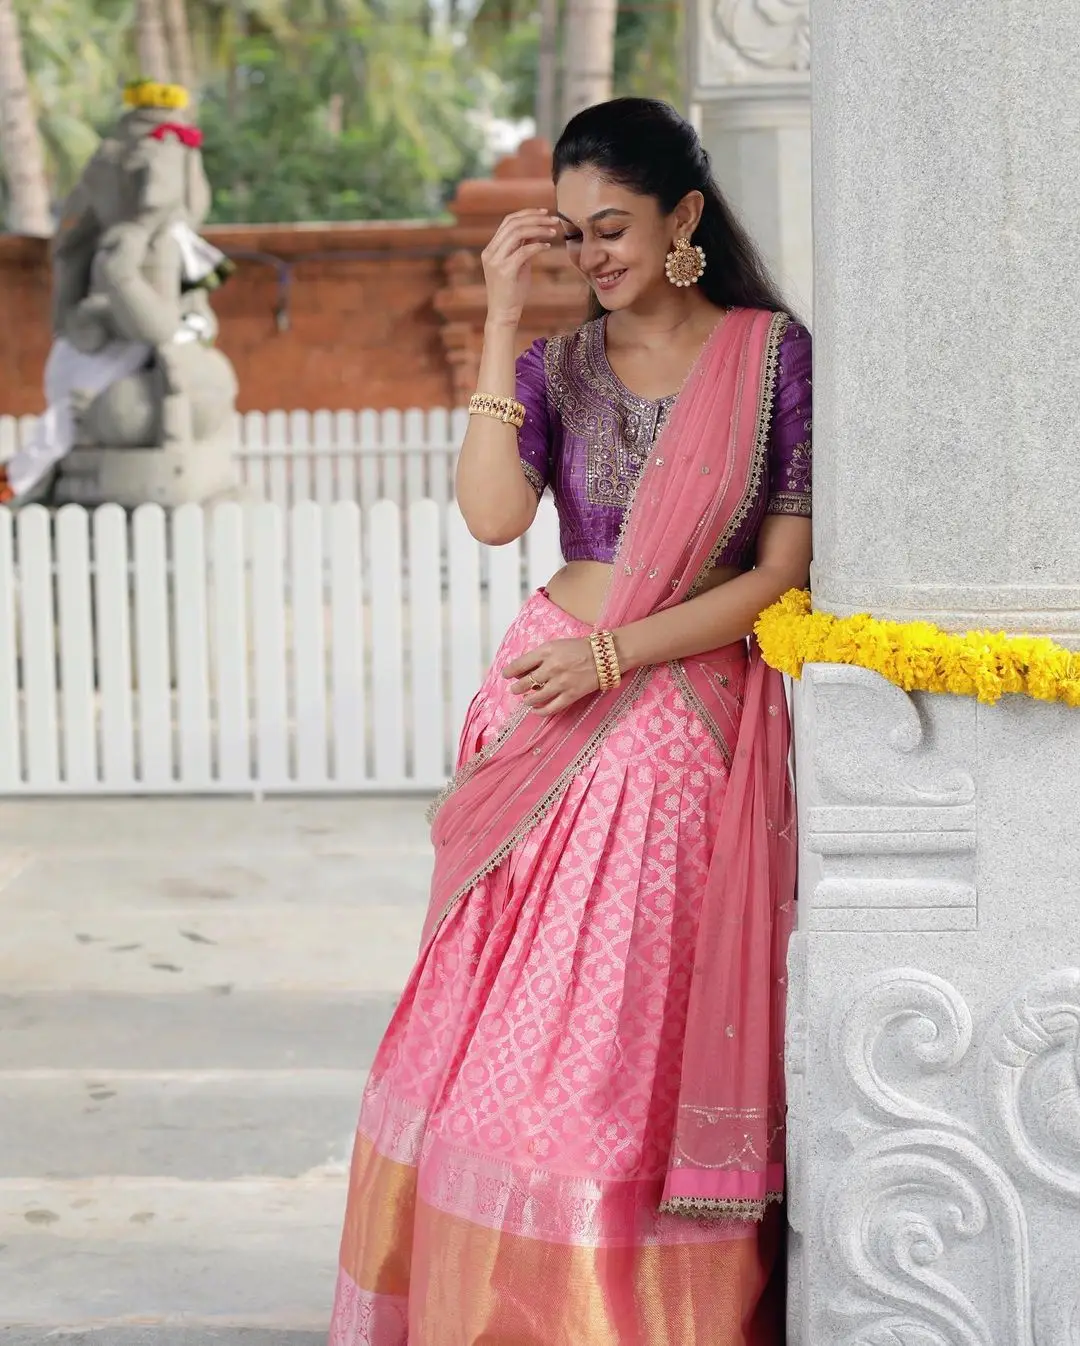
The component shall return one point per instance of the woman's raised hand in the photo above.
(507, 262)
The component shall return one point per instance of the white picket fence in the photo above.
(247, 649)
(364, 456)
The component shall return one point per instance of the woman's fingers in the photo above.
(528, 252)
(511, 258)
(563, 701)
(523, 664)
(512, 235)
(542, 698)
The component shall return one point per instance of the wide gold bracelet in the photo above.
(607, 661)
(505, 409)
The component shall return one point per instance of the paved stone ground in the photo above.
(191, 993)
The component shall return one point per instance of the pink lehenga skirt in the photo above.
(517, 1124)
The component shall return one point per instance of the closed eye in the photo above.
(608, 238)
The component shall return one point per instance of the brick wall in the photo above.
(334, 316)
(333, 329)
(306, 324)
(24, 323)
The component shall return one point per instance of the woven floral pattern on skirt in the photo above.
(516, 1128)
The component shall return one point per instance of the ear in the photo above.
(687, 214)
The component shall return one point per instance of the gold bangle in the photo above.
(505, 409)
(608, 672)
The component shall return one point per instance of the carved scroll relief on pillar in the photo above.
(769, 34)
(955, 1220)
(888, 805)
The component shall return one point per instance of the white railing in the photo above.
(247, 649)
(365, 456)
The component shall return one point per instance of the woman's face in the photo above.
(617, 239)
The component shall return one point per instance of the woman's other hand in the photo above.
(554, 676)
(507, 262)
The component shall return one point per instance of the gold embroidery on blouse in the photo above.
(535, 480)
(617, 427)
(793, 496)
(790, 502)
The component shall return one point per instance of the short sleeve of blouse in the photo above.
(534, 436)
(791, 433)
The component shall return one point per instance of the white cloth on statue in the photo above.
(69, 371)
(198, 258)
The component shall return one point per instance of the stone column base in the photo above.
(934, 1023)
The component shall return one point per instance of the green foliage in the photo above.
(649, 38)
(303, 139)
(508, 40)
(76, 54)
(649, 50)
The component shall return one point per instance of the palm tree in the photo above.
(75, 53)
(178, 39)
(150, 43)
(588, 53)
(20, 140)
(547, 70)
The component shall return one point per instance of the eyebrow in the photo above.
(594, 219)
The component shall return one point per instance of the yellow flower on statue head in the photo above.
(148, 93)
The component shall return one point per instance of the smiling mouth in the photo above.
(609, 280)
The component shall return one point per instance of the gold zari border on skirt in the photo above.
(495, 1286)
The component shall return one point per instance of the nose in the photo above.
(593, 256)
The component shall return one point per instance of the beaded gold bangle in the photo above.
(505, 409)
(607, 661)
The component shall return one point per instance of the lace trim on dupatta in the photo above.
(466, 772)
(713, 1208)
(696, 704)
(626, 699)
(766, 397)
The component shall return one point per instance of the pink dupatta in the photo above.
(700, 479)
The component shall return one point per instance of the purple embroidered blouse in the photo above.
(586, 436)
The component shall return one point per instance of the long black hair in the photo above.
(645, 146)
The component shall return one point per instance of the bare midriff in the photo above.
(580, 587)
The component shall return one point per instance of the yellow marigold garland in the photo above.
(149, 93)
(918, 656)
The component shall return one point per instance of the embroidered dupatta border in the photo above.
(739, 1208)
(766, 397)
(758, 460)
(695, 702)
(626, 699)
(750, 1209)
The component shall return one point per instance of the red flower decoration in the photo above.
(187, 135)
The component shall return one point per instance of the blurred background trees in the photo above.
(319, 109)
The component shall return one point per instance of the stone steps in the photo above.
(194, 991)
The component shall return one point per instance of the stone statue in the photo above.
(140, 403)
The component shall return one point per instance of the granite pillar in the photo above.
(749, 68)
(934, 1029)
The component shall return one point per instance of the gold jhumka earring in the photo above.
(685, 264)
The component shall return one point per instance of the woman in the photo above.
(573, 1130)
